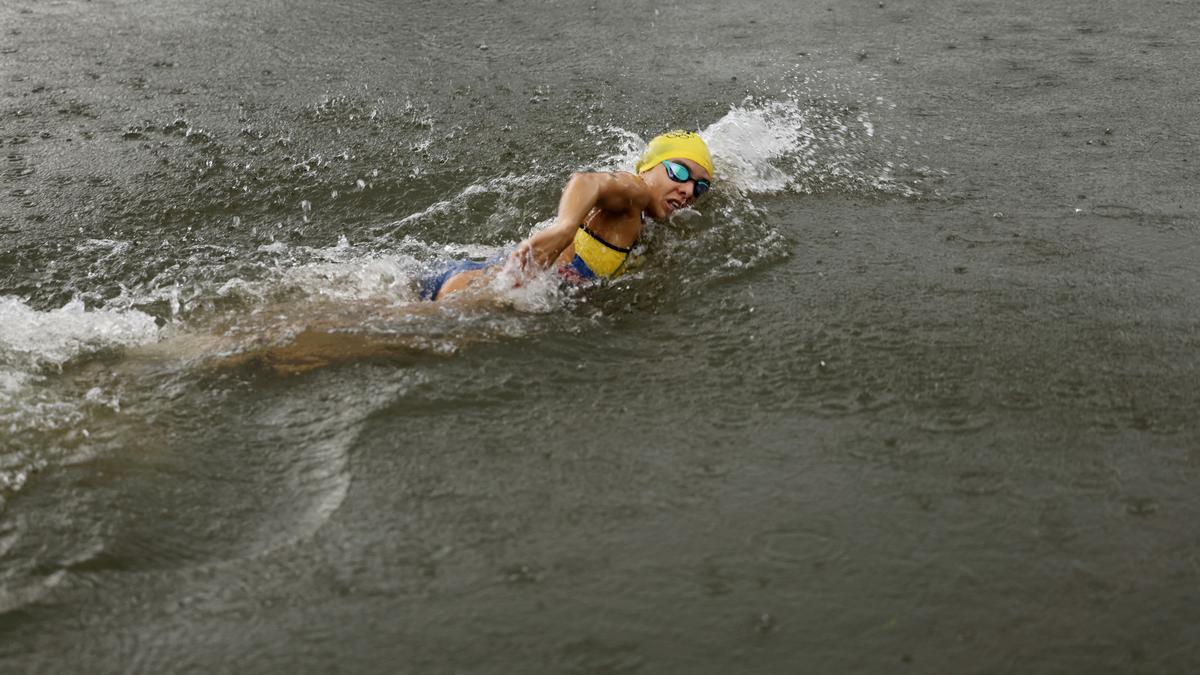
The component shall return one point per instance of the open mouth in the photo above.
(674, 205)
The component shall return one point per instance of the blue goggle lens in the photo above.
(680, 174)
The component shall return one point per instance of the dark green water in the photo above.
(915, 390)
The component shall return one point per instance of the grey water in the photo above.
(914, 389)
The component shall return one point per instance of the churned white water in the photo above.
(271, 292)
(34, 345)
(32, 339)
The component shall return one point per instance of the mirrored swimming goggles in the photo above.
(680, 174)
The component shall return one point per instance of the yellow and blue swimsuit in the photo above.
(595, 257)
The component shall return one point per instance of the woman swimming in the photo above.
(600, 217)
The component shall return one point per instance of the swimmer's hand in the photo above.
(521, 264)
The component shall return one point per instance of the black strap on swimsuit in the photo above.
(600, 239)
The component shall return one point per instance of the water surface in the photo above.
(913, 390)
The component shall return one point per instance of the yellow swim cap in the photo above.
(677, 145)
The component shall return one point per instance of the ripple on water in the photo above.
(851, 403)
(224, 474)
(1141, 507)
(268, 478)
(601, 656)
(22, 579)
(195, 475)
(980, 482)
(810, 545)
(950, 420)
(1018, 399)
(45, 419)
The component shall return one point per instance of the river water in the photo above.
(915, 389)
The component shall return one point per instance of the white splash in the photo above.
(785, 145)
(32, 339)
(347, 276)
(748, 141)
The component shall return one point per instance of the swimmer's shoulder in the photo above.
(624, 191)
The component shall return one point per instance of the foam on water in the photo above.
(348, 275)
(797, 142)
(794, 143)
(255, 293)
(34, 342)
(31, 339)
(777, 145)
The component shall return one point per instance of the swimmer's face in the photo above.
(671, 196)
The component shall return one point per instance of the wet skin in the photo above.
(615, 203)
(612, 206)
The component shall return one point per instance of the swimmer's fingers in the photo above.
(523, 259)
(521, 264)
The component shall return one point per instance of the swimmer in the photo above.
(600, 217)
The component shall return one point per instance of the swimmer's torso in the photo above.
(603, 242)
